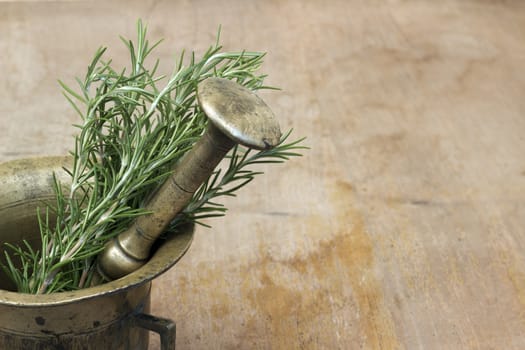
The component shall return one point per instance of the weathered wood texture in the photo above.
(401, 228)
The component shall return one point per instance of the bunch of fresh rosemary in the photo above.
(133, 131)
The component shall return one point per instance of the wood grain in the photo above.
(401, 228)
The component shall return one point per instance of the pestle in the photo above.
(236, 116)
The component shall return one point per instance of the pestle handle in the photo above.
(176, 192)
(236, 115)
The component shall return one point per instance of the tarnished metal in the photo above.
(109, 316)
(236, 115)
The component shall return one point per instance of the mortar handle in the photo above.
(165, 328)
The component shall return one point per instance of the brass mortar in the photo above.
(109, 316)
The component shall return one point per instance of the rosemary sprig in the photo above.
(132, 132)
(235, 176)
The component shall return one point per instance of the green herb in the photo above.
(133, 130)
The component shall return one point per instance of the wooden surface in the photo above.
(401, 228)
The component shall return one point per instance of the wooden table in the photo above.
(401, 228)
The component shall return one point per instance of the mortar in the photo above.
(109, 316)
